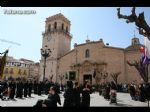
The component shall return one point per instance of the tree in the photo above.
(50, 78)
(115, 76)
(140, 22)
(97, 77)
(144, 29)
(141, 69)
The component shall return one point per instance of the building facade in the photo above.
(15, 68)
(85, 59)
(33, 68)
(21, 68)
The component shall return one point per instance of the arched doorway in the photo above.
(87, 77)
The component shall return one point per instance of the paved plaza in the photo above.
(124, 100)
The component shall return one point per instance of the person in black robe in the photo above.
(38, 103)
(54, 96)
(76, 92)
(35, 87)
(107, 96)
(43, 103)
(12, 87)
(19, 91)
(30, 88)
(46, 87)
(25, 89)
(68, 95)
(132, 91)
(9, 88)
(47, 103)
(39, 88)
(147, 91)
(3, 89)
(86, 95)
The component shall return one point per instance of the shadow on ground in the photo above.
(123, 105)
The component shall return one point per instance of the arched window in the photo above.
(66, 29)
(49, 27)
(87, 53)
(55, 25)
(62, 27)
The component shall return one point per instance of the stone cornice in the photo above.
(57, 31)
(114, 47)
(91, 42)
(56, 17)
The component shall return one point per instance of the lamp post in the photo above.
(45, 53)
(61, 77)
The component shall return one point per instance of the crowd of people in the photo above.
(75, 94)
(105, 88)
(137, 92)
(9, 89)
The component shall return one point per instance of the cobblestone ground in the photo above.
(123, 99)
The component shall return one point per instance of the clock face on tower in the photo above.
(49, 38)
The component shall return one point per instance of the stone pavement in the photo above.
(124, 100)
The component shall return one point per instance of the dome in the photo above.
(133, 47)
(135, 44)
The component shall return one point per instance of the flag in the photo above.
(94, 74)
(2, 63)
(146, 59)
(142, 50)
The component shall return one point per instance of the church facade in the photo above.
(92, 60)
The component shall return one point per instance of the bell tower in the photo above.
(135, 41)
(57, 38)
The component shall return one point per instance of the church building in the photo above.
(92, 60)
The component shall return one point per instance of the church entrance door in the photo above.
(87, 77)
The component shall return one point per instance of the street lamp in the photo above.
(61, 77)
(45, 53)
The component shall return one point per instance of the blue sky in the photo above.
(96, 22)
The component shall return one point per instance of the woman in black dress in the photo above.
(54, 97)
(68, 95)
(86, 95)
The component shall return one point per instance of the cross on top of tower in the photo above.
(87, 40)
(87, 37)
